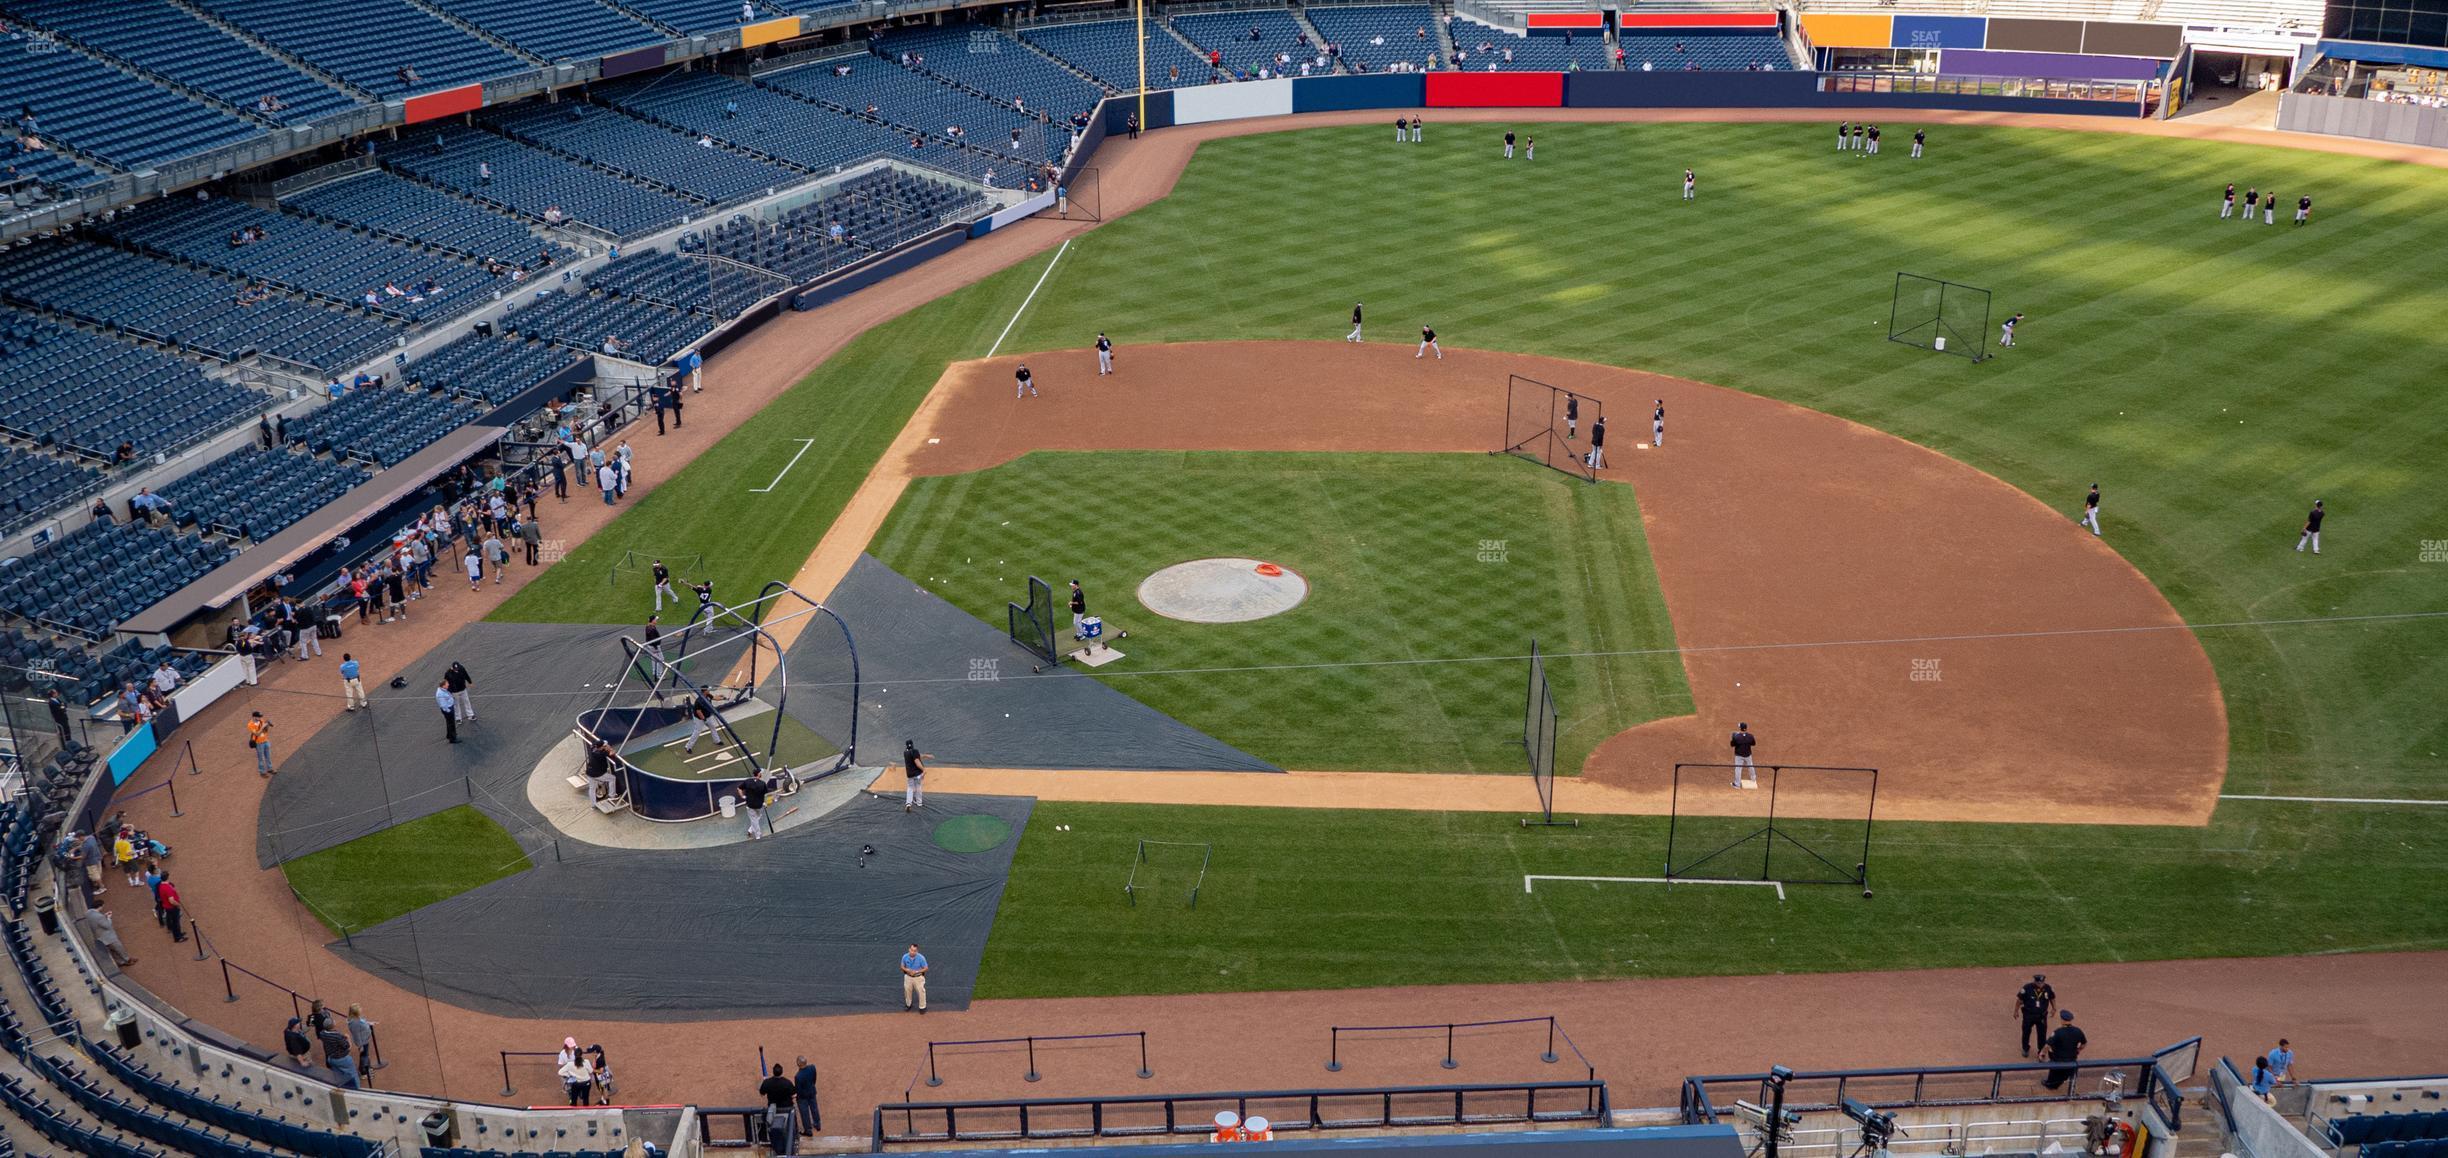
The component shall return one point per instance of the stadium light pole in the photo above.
(1139, 13)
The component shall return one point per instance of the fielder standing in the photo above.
(2006, 332)
(1354, 336)
(1428, 342)
(1874, 140)
(2269, 208)
(2252, 203)
(1399, 125)
(2303, 211)
(1844, 131)
(1104, 348)
(1415, 128)
(1745, 776)
(1657, 425)
(663, 587)
(1690, 182)
(1529, 148)
(1023, 382)
(2311, 531)
(1596, 458)
(1508, 144)
(1572, 415)
(1919, 137)
(2090, 515)
(2227, 206)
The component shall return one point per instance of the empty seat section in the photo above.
(254, 493)
(554, 29)
(162, 37)
(1728, 53)
(185, 308)
(719, 290)
(1230, 34)
(85, 394)
(371, 42)
(651, 153)
(582, 319)
(90, 580)
(102, 111)
(305, 255)
(699, 15)
(877, 211)
(995, 65)
(33, 485)
(1378, 35)
(395, 206)
(528, 182)
(1477, 47)
(756, 119)
(380, 426)
(1106, 50)
(918, 103)
(490, 368)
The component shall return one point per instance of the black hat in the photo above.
(2039, 976)
(2065, 1014)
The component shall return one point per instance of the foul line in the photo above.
(1032, 296)
(1528, 878)
(804, 444)
(2334, 799)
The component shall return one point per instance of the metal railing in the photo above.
(1704, 1097)
(1193, 1115)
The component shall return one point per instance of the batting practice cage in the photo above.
(1032, 626)
(1802, 825)
(1939, 315)
(1539, 741)
(1549, 425)
(737, 663)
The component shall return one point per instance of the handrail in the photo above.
(1319, 1110)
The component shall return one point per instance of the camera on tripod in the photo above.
(1878, 1127)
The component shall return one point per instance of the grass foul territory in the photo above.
(404, 868)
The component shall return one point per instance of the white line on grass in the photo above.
(1528, 878)
(804, 444)
(2334, 800)
(1032, 296)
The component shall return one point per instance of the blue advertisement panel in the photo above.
(1386, 90)
(1119, 110)
(132, 750)
(1941, 31)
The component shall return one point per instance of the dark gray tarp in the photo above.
(799, 923)
(962, 690)
(368, 770)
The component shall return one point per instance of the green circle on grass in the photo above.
(972, 833)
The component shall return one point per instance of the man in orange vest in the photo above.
(259, 737)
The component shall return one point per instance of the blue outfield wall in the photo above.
(1374, 91)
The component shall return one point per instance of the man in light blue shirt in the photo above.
(354, 690)
(2282, 1062)
(449, 704)
(913, 980)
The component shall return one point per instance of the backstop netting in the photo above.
(1549, 425)
(1539, 738)
(1032, 626)
(1939, 315)
(1802, 825)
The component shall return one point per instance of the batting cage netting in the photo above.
(1939, 315)
(1797, 824)
(1032, 626)
(1549, 425)
(1539, 741)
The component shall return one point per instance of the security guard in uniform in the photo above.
(2032, 1004)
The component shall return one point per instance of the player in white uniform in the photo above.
(1354, 336)
(1024, 382)
(2090, 515)
(1428, 342)
(1690, 182)
(1104, 348)
(1657, 425)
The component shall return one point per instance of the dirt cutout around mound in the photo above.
(1857, 599)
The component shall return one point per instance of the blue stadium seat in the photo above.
(107, 113)
(718, 290)
(581, 319)
(393, 206)
(648, 153)
(527, 181)
(490, 368)
(254, 493)
(162, 37)
(381, 426)
(563, 30)
(308, 256)
(185, 308)
(1106, 50)
(90, 580)
(85, 394)
(1398, 26)
(371, 47)
(1732, 52)
(33, 485)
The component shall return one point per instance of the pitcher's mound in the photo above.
(1223, 590)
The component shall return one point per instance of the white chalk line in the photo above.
(804, 444)
(1529, 882)
(1032, 296)
(2334, 799)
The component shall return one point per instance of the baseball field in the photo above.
(2213, 377)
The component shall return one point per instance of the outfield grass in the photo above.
(1409, 557)
(371, 879)
(2215, 377)
(1299, 899)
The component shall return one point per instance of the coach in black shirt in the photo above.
(2032, 1004)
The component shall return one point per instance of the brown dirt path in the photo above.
(1778, 531)
(2376, 1008)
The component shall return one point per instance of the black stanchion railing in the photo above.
(1555, 1033)
(935, 1077)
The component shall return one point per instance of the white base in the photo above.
(1094, 656)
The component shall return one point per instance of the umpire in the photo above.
(2032, 1004)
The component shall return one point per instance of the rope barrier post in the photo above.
(1550, 1056)
(172, 785)
(505, 1060)
(1334, 1049)
(933, 1078)
(1031, 1075)
(193, 768)
(1449, 1062)
(229, 992)
(199, 940)
(1144, 1072)
(374, 1048)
